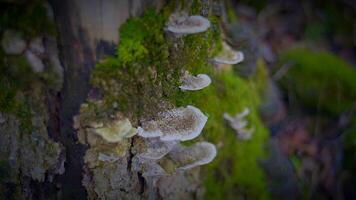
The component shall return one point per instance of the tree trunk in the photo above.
(87, 32)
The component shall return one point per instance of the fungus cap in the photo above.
(183, 24)
(198, 82)
(229, 56)
(156, 148)
(117, 131)
(177, 124)
(198, 154)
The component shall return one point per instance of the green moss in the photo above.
(231, 15)
(321, 80)
(196, 7)
(7, 95)
(24, 114)
(261, 77)
(16, 77)
(139, 77)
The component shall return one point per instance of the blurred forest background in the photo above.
(309, 48)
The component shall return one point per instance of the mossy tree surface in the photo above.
(143, 79)
(23, 105)
(16, 76)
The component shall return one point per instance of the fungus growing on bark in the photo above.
(176, 124)
(116, 131)
(239, 124)
(111, 158)
(156, 148)
(229, 56)
(198, 154)
(181, 23)
(198, 82)
(153, 169)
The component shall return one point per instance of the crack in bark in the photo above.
(142, 182)
(131, 155)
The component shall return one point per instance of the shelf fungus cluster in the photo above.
(177, 124)
(239, 124)
(116, 131)
(163, 154)
(200, 153)
(190, 82)
(108, 138)
(115, 151)
(181, 23)
(228, 56)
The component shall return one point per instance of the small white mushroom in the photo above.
(239, 124)
(229, 56)
(198, 82)
(181, 23)
(117, 131)
(156, 148)
(198, 154)
(177, 124)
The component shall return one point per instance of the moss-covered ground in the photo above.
(319, 80)
(144, 76)
(324, 85)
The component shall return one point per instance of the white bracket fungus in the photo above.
(176, 124)
(198, 82)
(198, 154)
(181, 23)
(229, 56)
(117, 131)
(156, 148)
(149, 167)
(239, 124)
